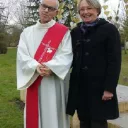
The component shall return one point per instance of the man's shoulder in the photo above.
(61, 26)
(29, 28)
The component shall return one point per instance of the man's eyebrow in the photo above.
(49, 6)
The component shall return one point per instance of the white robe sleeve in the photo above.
(26, 65)
(61, 62)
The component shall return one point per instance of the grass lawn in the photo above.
(11, 115)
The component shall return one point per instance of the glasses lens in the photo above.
(49, 7)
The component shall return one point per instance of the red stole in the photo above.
(44, 53)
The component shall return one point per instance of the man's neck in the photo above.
(44, 22)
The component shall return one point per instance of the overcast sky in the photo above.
(113, 5)
(111, 2)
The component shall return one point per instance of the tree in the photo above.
(14, 32)
(68, 14)
(33, 6)
(3, 23)
(124, 28)
(112, 15)
(27, 12)
(3, 17)
(124, 34)
(3, 46)
(21, 13)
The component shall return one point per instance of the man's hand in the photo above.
(39, 69)
(46, 71)
(43, 70)
(107, 96)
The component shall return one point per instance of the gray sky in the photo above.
(12, 4)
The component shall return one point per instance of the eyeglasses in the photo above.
(87, 9)
(50, 9)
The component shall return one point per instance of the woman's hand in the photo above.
(107, 95)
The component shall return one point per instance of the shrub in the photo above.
(3, 48)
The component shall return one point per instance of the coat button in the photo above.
(86, 54)
(88, 40)
(85, 68)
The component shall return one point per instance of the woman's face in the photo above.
(87, 12)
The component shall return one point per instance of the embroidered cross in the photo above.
(47, 49)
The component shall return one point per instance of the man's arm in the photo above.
(26, 65)
(61, 62)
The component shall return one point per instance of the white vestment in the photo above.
(53, 90)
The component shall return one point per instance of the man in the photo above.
(44, 58)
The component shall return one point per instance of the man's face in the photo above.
(47, 10)
(87, 13)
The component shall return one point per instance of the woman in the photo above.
(95, 68)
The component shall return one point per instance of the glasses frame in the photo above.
(87, 9)
(50, 8)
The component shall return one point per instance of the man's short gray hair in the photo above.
(93, 3)
(57, 3)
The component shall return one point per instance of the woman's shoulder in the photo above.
(111, 28)
(104, 23)
(108, 27)
(76, 29)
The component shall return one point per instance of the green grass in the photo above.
(11, 116)
(124, 69)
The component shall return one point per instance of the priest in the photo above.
(44, 57)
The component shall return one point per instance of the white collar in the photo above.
(46, 25)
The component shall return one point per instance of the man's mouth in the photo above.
(45, 15)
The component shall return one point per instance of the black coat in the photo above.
(96, 67)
